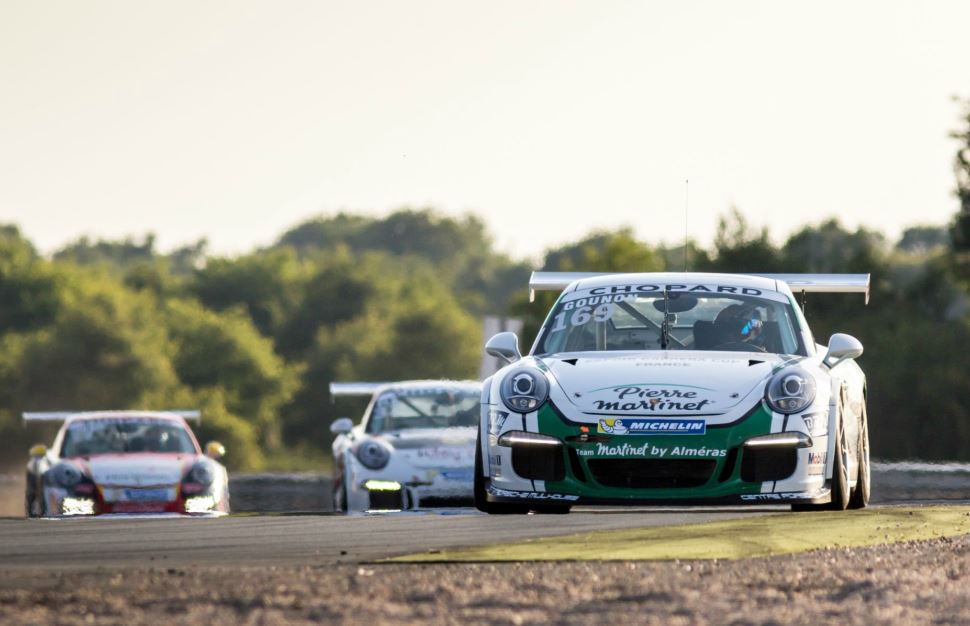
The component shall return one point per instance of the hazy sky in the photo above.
(236, 120)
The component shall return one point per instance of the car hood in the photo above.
(434, 447)
(138, 470)
(667, 383)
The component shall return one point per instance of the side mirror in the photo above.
(842, 347)
(504, 346)
(215, 450)
(342, 426)
(38, 451)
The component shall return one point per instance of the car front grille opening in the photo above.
(390, 500)
(651, 473)
(767, 464)
(538, 462)
(730, 463)
(576, 466)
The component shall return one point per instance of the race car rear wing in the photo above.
(806, 283)
(60, 416)
(345, 390)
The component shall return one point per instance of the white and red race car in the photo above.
(124, 462)
(414, 447)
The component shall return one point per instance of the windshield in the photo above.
(120, 436)
(610, 318)
(430, 407)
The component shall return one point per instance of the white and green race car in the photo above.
(675, 388)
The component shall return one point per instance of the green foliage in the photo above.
(412, 328)
(459, 249)
(223, 351)
(28, 288)
(264, 283)
(923, 239)
(106, 348)
(403, 233)
(118, 254)
(604, 251)
(245, 450)
(336, 292)
(738, 247)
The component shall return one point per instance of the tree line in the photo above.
(254, 340)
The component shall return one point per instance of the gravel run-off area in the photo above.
(923, 582)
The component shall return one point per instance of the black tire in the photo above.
(481, 499)
(863, 487)
(339, 495)
(30, 497)
(840, 471)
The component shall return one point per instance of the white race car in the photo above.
(414, 448)
(686, 388)
(125, 462)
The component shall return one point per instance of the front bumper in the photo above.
(377, 493)
(494, 494)
(714, 467)
(60, 502)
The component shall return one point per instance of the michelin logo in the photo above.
(652, 427)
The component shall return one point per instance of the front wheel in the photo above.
(481, 498)
(339, 496)
(32, 506)
(840, 474)
(840, 471)
(860, 495)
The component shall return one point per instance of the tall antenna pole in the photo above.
(686, 205)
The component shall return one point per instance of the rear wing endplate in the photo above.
(808, 283)
(345, 390)
(60, 416)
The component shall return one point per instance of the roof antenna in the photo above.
(686, 205)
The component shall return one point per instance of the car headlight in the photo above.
(791, 390)
(524, 390)
(202, 473)
(373, 454)
(66, 475)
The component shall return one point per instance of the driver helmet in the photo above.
(742, 323)
(156, 438)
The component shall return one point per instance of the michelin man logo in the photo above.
(613, 427)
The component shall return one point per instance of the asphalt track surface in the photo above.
(310, 540)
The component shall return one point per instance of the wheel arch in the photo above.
(483, 424)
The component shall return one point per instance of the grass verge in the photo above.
(733, 539)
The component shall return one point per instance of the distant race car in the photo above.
(125, 462)
(414, 447)
(685, 388)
